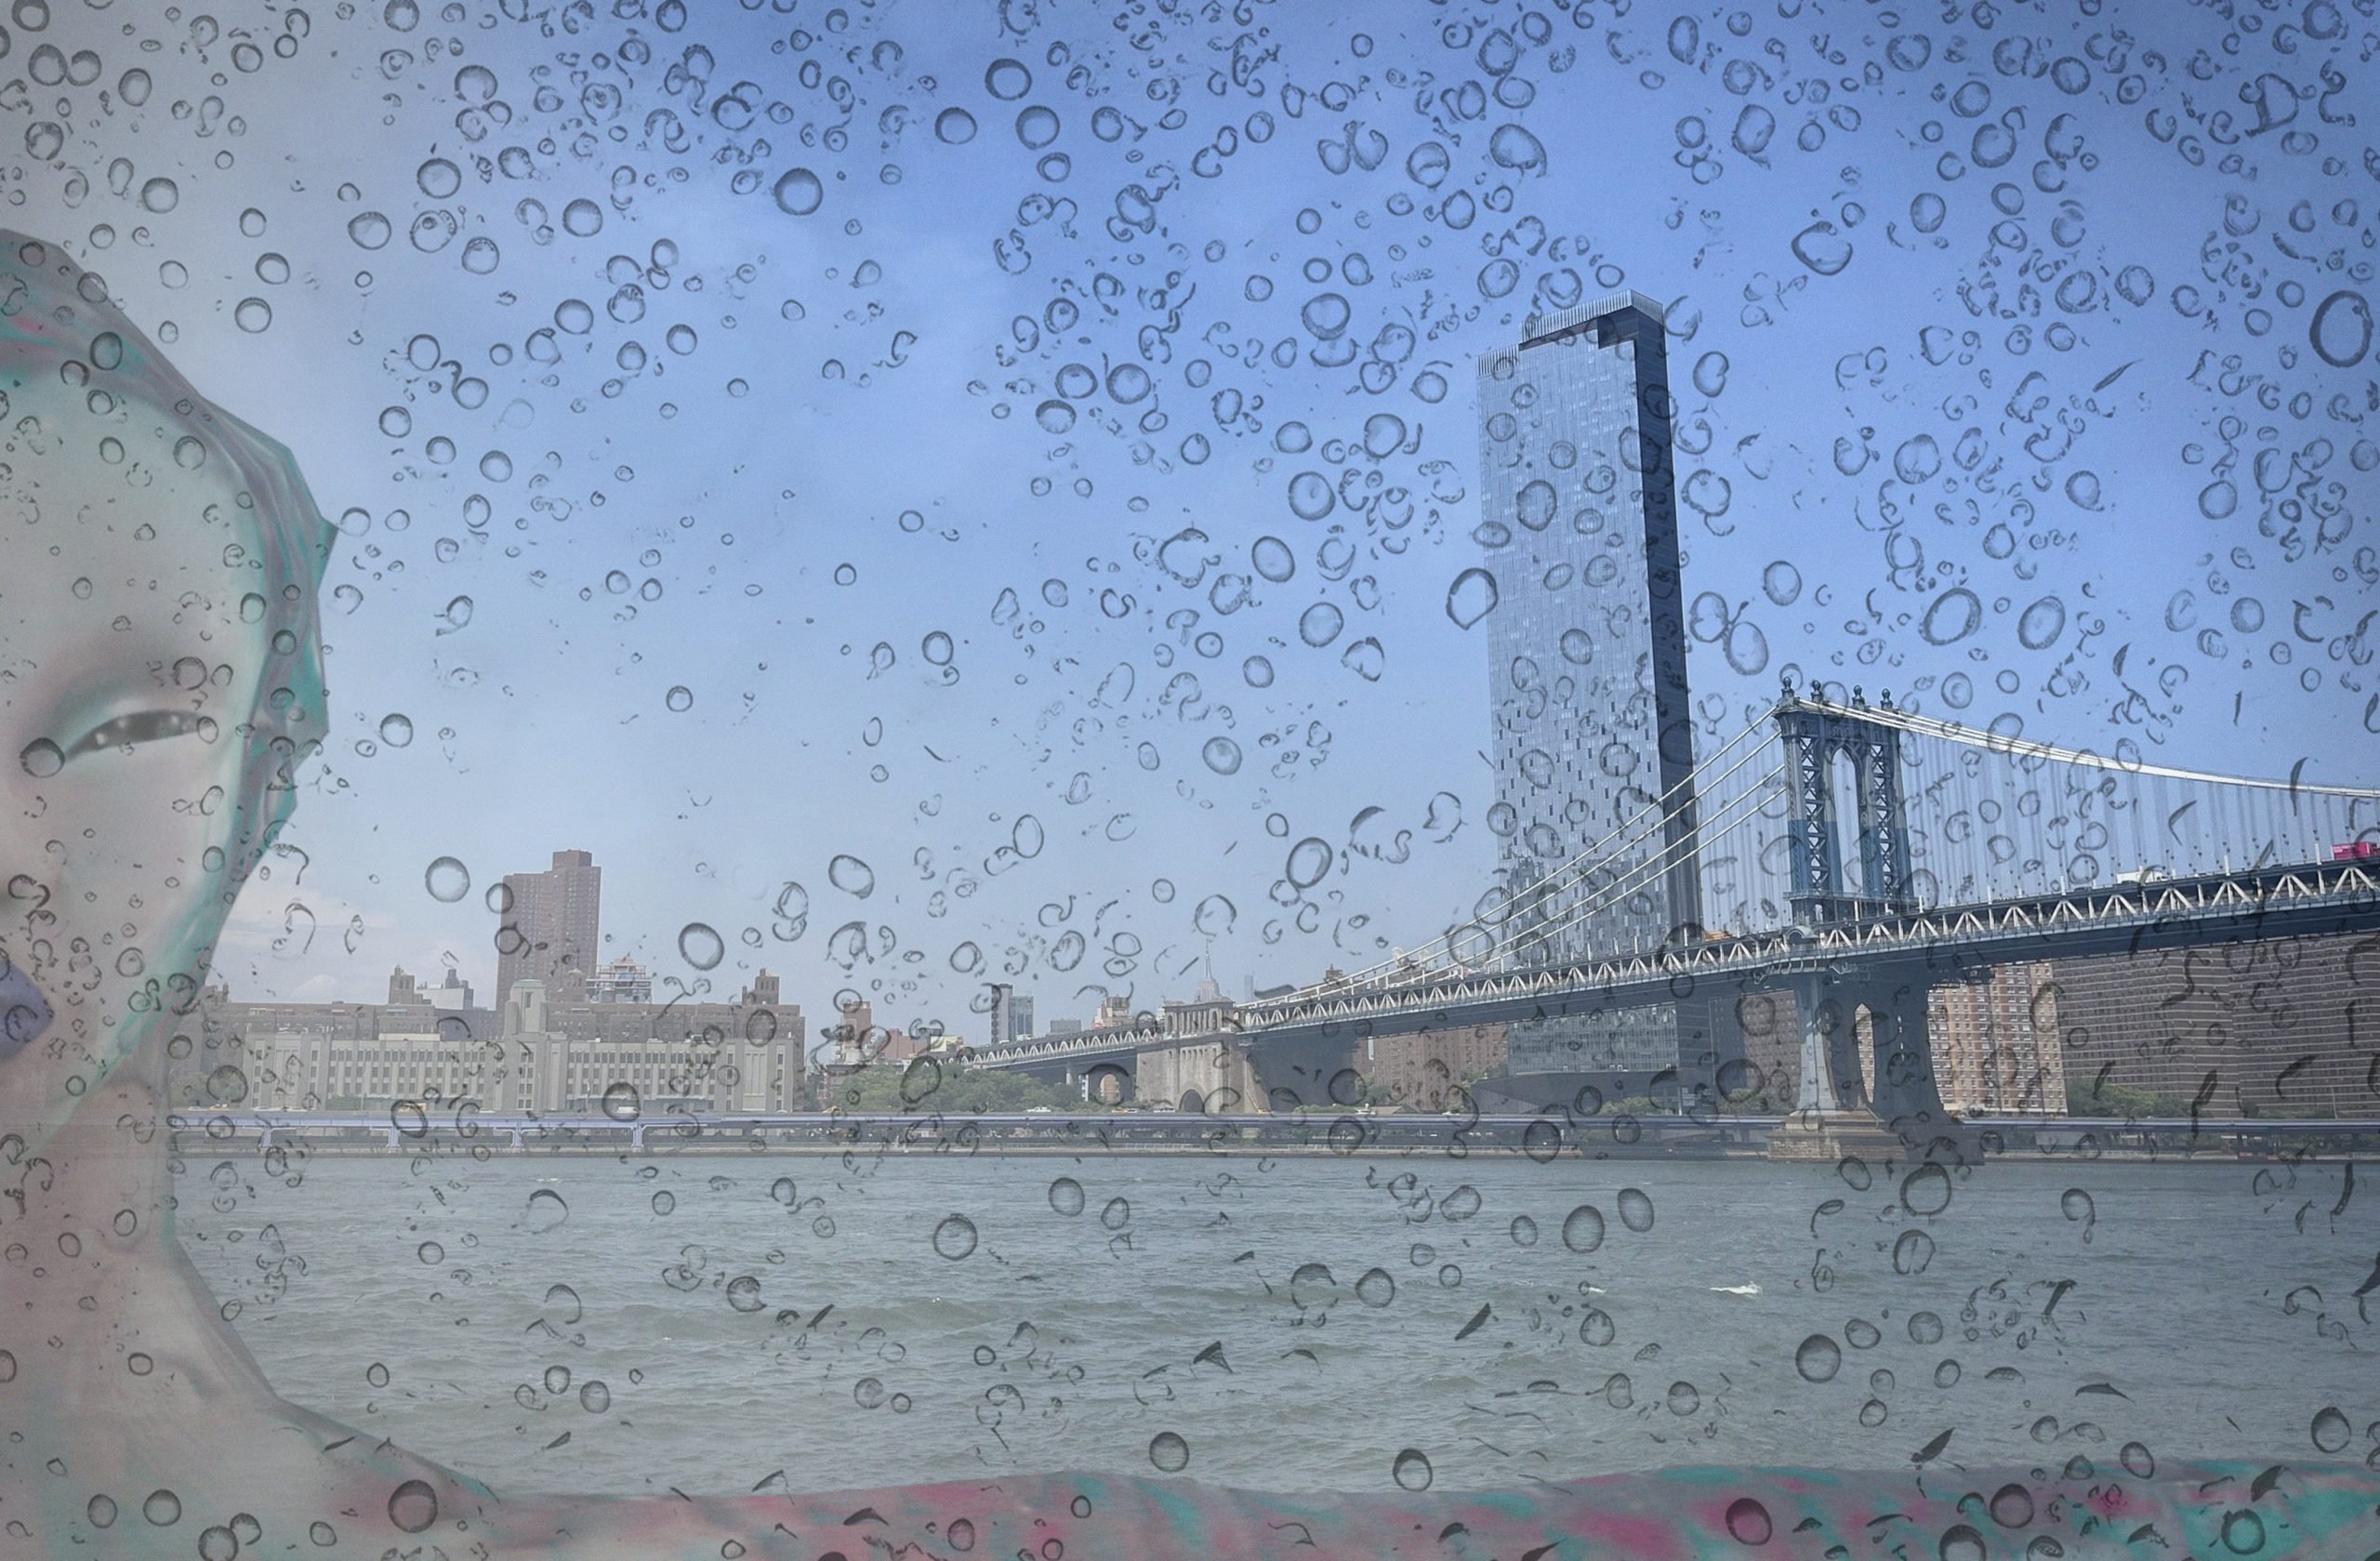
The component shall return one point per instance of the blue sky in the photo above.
(1983, 321)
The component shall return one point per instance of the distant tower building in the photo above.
(452, 994)
(1593, 734)
(1020, 1017)
(550, 924)
(403, 989)
(620, 981)
(762, 993)
(1003, 1016)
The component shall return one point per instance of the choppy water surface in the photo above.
(706, 1322)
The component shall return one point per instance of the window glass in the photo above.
(794, 778)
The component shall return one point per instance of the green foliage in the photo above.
(2121, 1100)
(927, 1085)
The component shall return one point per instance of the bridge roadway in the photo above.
(2303, 900)
(1541, 1135)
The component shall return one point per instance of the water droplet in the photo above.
(2040, 625)
(396, 731)
(377, 1374)
(954, 127)
(1925, 1190)
(798, 192)
(1472, 597)
(252, 315)
(2243, 1533)
(2341, 330)
(1951, 617)
(955, 1237)
(1523, 1231)
(163, 1508)
(217, 1543)
(101, 1510)
(447, 880)
(1222, 755)
(1167, 1451)
(851, 876)
(1818, 1359)
(1749, 1522)
(431, 1254)
(621, 1103)
(546, 1210)
(1582, 1228)
(2332, 1431)
(2011, 1506)
(1008, 80)
(41, 759)
(1821, 248)
(700, 947)
(1635, 1209)
(412, 1506)
(1376, 1287)
(1413, 1471)
(160, 195)
(1066, 1196)
(680, 699)
(1310, 495)
(1320, 624)
(1960, 1541)
(594, 1396)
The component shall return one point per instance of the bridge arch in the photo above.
(1192, 1103)
(1107, 1083)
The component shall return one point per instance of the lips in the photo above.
(24, 1012)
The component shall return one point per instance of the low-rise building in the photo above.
(534, 1055)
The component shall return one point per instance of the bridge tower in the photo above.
(1814, 735)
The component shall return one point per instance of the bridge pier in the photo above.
(1837, 1111)
(1820, 1017)
(1907, 1096)
(1299, 1073)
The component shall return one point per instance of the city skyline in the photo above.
(483, 629)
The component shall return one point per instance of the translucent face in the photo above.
(148, 627)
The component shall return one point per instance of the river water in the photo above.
(706, 1322)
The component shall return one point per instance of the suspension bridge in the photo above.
(1849, 856)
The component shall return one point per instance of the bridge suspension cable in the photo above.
(1747, 806)
(1989, 816)
(1993, 816)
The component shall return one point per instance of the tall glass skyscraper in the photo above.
(1594, 738)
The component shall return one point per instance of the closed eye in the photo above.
(129, 731)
